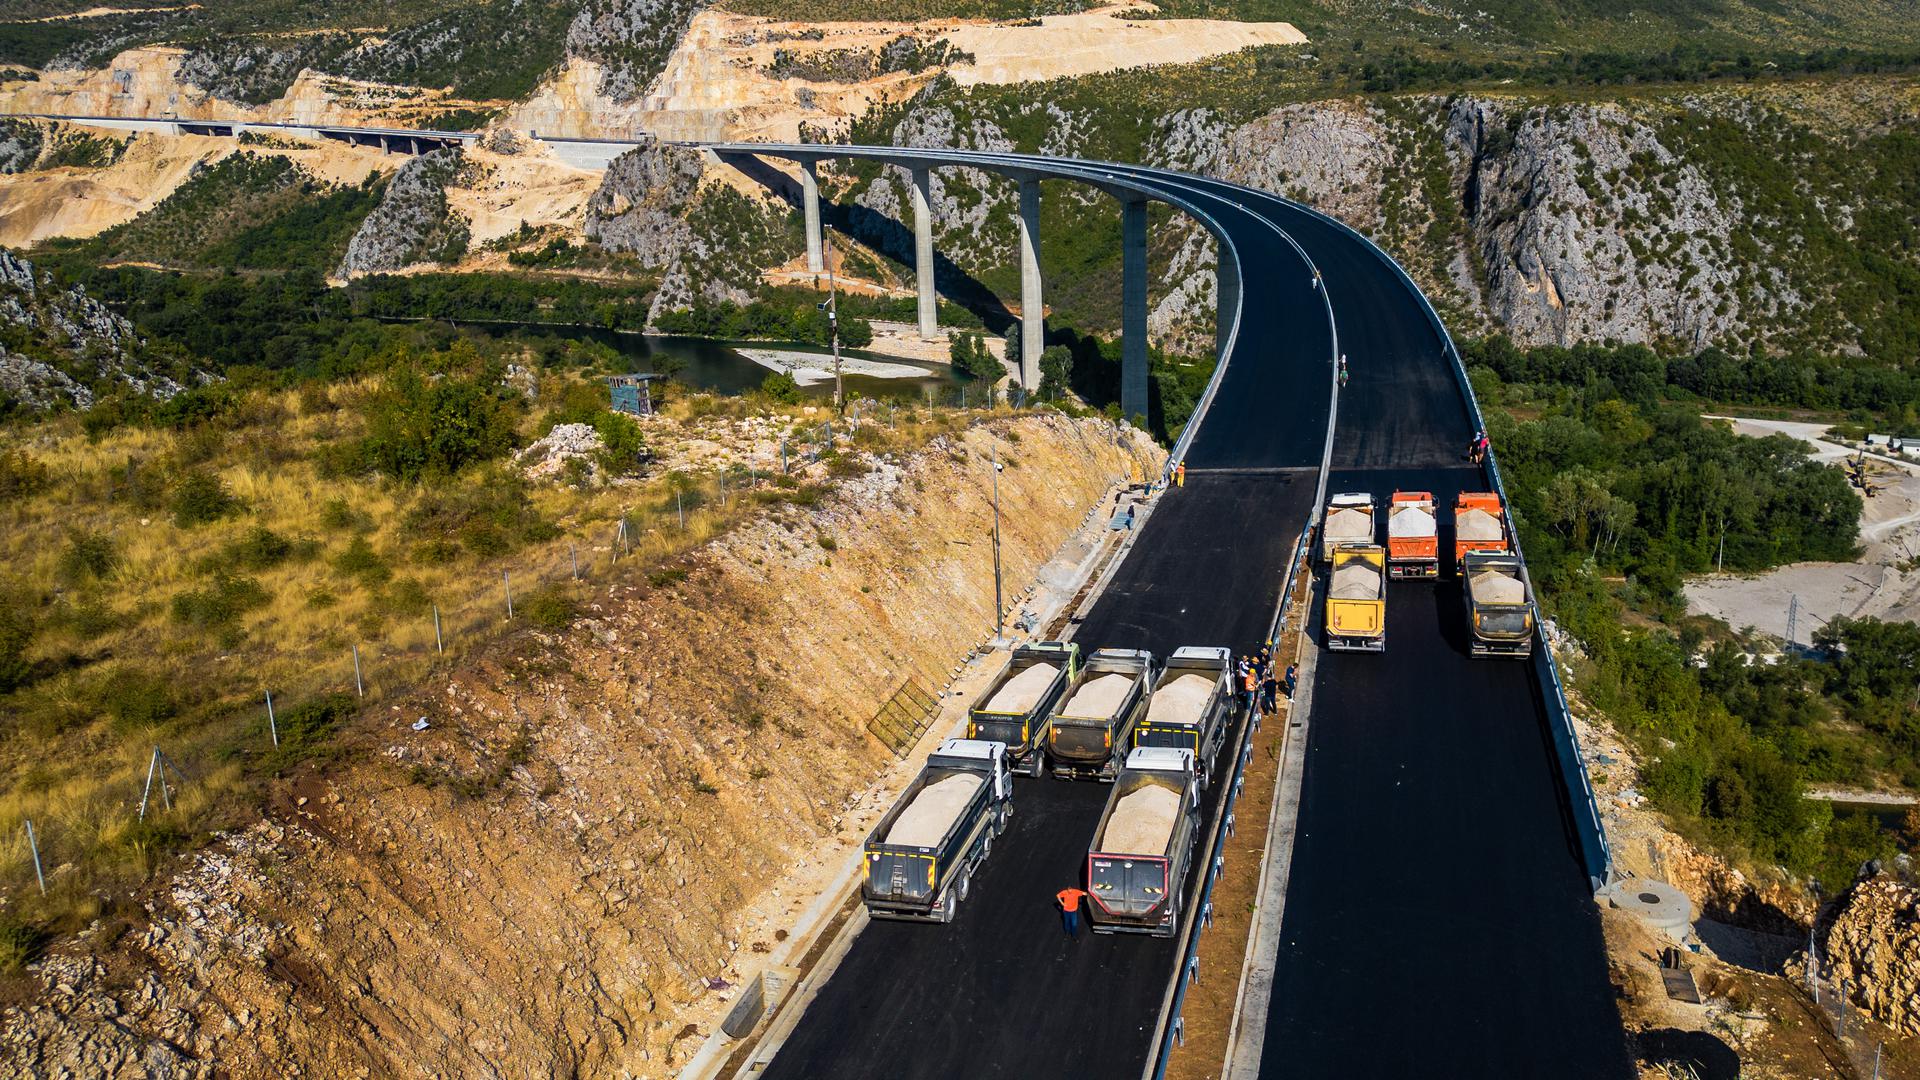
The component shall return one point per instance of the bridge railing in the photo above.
(1173, 1027)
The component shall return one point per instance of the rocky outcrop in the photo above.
(1873, 944)
(413, 223)
(630, 40)
(61, 348)
(641, 203)
(598, 831)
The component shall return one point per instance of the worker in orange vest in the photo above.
(1069, 900)
(1251, 682)
(1180, 474)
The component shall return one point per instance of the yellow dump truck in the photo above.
(1357, 598)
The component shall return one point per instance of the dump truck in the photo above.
(1499, 608)
(1413, 536)
(1137, 863)
(1088, 732)
(1013, 709)
(1357, 599)
(1190, 706)
(1349, 520)
(919, 860)
(1479, 524)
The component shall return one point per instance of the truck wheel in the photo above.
(986, 845)
(1037, 765)
(960, 890)
(1000, 822)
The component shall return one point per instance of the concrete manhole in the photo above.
(1657, 903)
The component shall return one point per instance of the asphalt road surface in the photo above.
(1438, 921)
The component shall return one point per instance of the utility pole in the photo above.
(833, 327)
(999, 607)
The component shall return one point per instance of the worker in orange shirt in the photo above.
(1069, 900)
(1180, 474)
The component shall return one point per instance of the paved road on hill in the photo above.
(1438, 920)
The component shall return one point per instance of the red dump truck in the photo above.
(1479, 524)
(1413, 536)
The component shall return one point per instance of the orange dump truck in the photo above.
(1479, 525)
(1413, 536)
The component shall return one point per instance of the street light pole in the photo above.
(999, 606)
(833, 324)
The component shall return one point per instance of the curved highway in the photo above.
(1439, 918)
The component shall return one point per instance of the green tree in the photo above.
(421, 425)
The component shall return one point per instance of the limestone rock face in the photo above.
(68, 348)
(413, 223)
(1873, 943)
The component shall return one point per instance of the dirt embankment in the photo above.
(597, 830)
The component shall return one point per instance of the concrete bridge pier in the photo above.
(810, 208)
(1033, 312)
(923, 247)
(1133, 309)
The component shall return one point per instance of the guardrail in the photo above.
(1596, 853)
(1172, 1026)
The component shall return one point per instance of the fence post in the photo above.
(506, 586)
(33, 843)
(439, 643)
(153, 764)
(680, 508)
(359, 685)
(273, 726)
(574, 553)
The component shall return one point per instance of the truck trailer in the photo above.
(1357, 599)
(1349, 520)
(1413, 536)
(919, 860)
(1499, 608)
(1089, 731)
(1137, 863)
(1479, 524)
(1191, 704)
(1013, 709)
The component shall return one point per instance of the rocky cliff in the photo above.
(413, 223)
(1872, 942)
(61, 348)
(596, 831)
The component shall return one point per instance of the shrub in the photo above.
(88, 556)
(20, 476)
(19, 624)
(407, 596)
(419, 426)
(135, 700)
(220, 604)
(339, 515)
(359, 560)
(305, 728)
(549, 607)
(200, 497)
(20, 944)
(262, 549)
(781, 387)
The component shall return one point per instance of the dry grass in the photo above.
(118, 673)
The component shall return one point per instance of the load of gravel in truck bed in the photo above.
(1498, 587)
(1348, 523)
(1408, 521)
(1022, 692)
(1356, 581)
(1477, 525)
(931, 814)
(1142, 822)
(1098, 698)
(1182, 701)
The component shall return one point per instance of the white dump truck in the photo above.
(1499, 608)
(1137, 863)
(1014, 707)
(1089, 731)
(1349, 520)
(921, 857)
(1191, 704)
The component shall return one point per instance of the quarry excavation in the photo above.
(769, 540)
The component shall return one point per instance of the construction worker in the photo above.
(1250, 682)
(1269, 689)
(1180, 474)
(1293, 670)
(1343, 371)
(1069, 900)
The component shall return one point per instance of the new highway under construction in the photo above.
(1438, 917)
